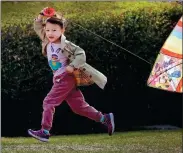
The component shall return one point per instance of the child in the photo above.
(70, 70)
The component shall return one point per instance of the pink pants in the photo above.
(64, 88)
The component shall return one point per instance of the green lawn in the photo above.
(124, 142)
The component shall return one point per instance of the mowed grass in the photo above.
(124, 142)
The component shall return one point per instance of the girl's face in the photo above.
(53, 32)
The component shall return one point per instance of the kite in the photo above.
(166, 73)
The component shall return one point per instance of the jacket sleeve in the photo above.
(39, 28)
(79, 56)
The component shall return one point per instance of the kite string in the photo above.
(113, 44)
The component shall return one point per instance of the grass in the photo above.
(124, 142)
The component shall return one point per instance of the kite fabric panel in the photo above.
(166, 73)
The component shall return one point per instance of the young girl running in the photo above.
(68, 63)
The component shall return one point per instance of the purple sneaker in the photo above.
(39, 135)
(109, 122)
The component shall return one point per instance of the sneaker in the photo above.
(39, 135)
(109, 122)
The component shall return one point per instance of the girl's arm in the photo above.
(80, 57)
(38, 27)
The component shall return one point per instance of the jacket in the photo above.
(84, 73)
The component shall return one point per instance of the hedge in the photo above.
(141, 29)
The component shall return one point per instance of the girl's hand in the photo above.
(42, 11)
(41, 14)
(69, 69)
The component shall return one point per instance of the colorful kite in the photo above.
(167, 70)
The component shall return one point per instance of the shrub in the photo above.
(141, 29)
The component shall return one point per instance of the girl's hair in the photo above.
(57, 19)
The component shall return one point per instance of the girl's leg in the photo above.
(60, 90)
(79, 106)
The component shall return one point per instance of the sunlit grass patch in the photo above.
(125, 142)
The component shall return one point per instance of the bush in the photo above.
(23, 66)
(141, 29)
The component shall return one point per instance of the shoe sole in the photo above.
(112, 122)
(38, 138)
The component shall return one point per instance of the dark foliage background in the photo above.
(26, 77)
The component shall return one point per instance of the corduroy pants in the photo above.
(64, 88)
